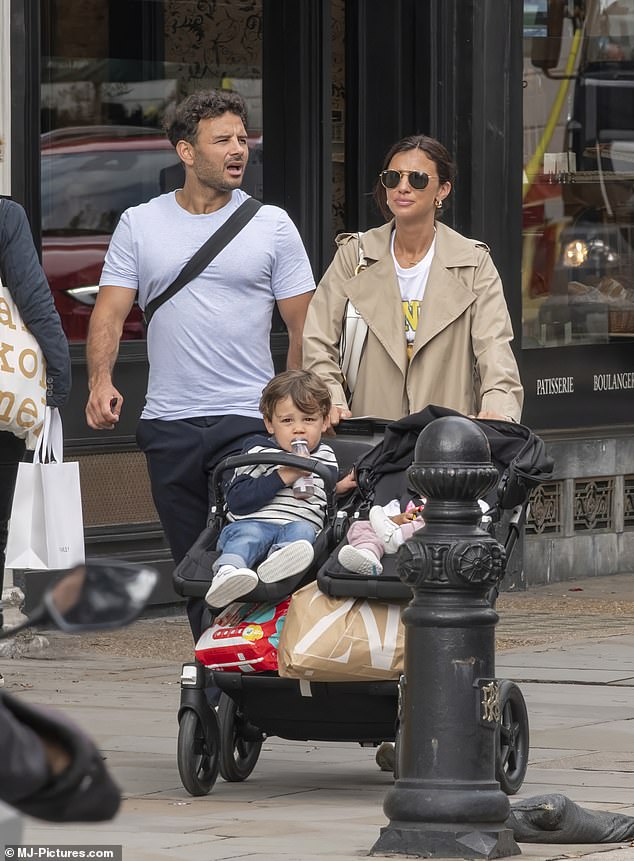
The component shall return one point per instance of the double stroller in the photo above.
(254, 706)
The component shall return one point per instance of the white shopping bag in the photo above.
(46, 529)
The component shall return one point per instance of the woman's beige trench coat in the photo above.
(461, 357)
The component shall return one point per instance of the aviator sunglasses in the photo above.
(416, 178)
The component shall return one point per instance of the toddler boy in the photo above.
(268, 523)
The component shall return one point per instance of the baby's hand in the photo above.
(400, 519)
(346, 484)
(407, 516)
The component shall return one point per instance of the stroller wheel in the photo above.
(198, 756)
(341, 527)
(240, 742)
(512, 739)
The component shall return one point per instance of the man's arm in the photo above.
(104, 334)
(293, 312)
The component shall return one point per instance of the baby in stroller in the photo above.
(381, 484)
(383, 532)
(271, 521)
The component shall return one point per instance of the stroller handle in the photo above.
(282, 459)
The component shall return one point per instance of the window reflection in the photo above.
(578, 250)
(338, 108)
(110, 69)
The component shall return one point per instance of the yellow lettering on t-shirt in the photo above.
(410, 310)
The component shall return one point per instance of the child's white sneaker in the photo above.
(230, 583)
(293, 558)
(388, 531)
(359, 560)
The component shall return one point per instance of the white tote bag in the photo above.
(22, 375)
(47, 529)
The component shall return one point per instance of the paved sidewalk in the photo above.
(572, 652)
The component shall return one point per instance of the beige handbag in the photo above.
(22, 375)
(353, 334)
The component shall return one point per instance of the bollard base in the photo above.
(446, 840)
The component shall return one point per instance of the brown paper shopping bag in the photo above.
(340, 639)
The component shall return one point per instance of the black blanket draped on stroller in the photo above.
(518, 454)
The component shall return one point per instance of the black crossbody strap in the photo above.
(205, 254)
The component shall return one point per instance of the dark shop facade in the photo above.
(535, 99)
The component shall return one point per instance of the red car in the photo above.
(90, 175)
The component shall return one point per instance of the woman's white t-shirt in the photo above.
(412, 283)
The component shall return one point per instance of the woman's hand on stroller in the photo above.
(337, 413)
(488, 414)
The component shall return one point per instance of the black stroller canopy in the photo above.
(518, 454)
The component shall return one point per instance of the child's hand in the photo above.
(407, 516)
(400, 519)
(346, 484)
(289, 474)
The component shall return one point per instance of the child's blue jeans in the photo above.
(247, 542)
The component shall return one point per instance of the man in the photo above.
(208, 346)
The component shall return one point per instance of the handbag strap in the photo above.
(363, 261)
(205, 254)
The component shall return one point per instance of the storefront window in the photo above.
(578, 234)
(110, 68)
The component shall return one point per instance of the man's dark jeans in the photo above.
(181, 457)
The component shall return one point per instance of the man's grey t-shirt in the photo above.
(208, 346)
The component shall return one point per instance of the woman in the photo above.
(439, 331)
(22, 274)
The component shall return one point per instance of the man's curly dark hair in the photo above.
(181, 124)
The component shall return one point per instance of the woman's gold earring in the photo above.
(437, 203)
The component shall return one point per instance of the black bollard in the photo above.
(446, 802)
